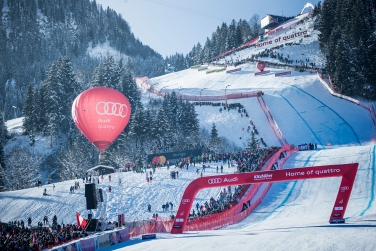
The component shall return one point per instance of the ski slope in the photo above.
(293, 216)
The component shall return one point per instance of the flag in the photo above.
(35, 236)
(81, 222)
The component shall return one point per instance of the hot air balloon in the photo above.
(101, 114)
(260, 65)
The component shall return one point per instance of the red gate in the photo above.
(346, 171)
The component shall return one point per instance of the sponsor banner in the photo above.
(87, 244)
(149, 236)
(262, 72)
(335, 221)
(124, 234)
(114, 238)
(234, 70)
(177, 226)
(303, 147)
(338, 208)
(264, 176)
(336, 215)
(176, 155)
(57, 249)
(179, 220)
(103, 241)
(71, 247)
(282, 73)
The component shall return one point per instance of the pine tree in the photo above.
(28, 120)
(129, 88)
(162, 131)
(214, 139)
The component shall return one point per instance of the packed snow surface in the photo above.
(293, 216)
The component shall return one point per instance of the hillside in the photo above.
(293, 215)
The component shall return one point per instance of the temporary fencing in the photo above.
(143, 83)
(370, 109)
(271, 121)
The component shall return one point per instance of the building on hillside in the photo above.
(101, 170)
(271, 20)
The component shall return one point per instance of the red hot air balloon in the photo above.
(260, 65)
(101, 114)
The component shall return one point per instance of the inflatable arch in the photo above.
(346, 171)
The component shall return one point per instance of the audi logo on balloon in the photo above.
(111, 108)
(215, 181)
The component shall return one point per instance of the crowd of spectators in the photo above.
(245, 161)
(18, 237)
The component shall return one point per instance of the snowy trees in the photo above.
(348, 42)
(47, 109)
(225, 37)
(23, 172)
(35, 33)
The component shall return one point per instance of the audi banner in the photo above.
(346, 171)
(234, 70)
(282, 73)
(176, 155)
(262, 72)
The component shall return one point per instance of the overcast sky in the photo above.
(170, 26)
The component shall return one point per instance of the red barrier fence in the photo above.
(271, 121)
(143, 83)
(370, 109)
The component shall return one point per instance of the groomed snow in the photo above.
(293, 216)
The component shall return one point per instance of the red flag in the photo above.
(81, 222)
(35, 236)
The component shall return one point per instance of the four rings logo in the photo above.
(111, 108)
(215, 181)
(345, 188)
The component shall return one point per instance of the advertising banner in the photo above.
(282, 73)
(124, 234)
(303, 147)
(87, 245)
(346, 171)
(262, 72)
(234, 70)
(114, 238)
(104, 241)
(71, 247)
